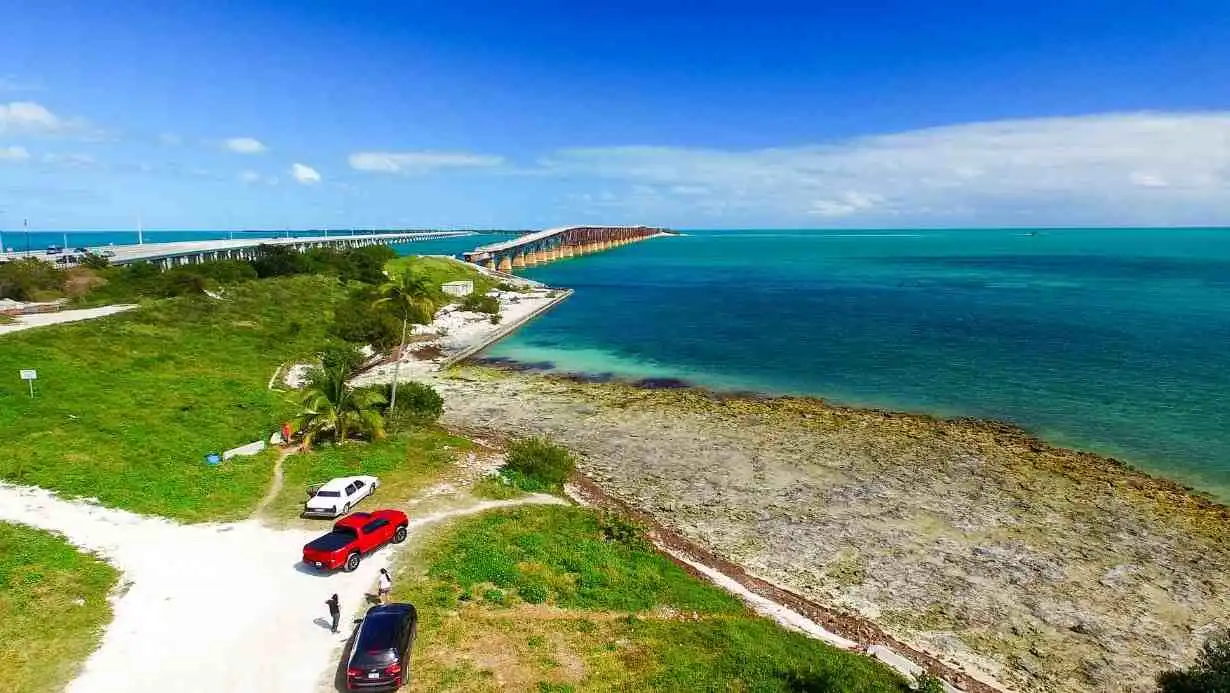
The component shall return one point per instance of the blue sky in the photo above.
(272, 114)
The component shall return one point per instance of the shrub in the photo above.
(480, 303)
(278, 261)
(537, 464)
(926, 683)
(494, 596)
(417, 403)
(1210, 673)
(340, 355)
(534, 591)
(622, 531)
(30, 279)
(357, 321)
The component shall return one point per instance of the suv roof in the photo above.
(380, 626)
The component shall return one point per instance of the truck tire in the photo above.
(352, 562)
(400, 535)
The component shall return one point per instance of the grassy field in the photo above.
(53, 607)
(405, 465)
(561, 599)
(438, 270)
(127, 406)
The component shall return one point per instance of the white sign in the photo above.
(29, 374)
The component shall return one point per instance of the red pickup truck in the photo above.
(355, 535)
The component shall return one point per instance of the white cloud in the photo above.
(252, 178)
(14, 153)
(1087, 169)
(1148, 180)
(846, 204)
(245, 145)
(69, 160)
(420, 162)
(29, 117)
(170, 139)
(304, 174)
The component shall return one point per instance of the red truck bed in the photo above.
(354, 536)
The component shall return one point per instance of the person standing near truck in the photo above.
(386, 585)
(335, 611)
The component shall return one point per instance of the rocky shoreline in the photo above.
(1042, 568)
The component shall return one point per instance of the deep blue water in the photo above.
(1116, 341)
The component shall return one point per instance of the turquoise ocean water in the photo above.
(1115, 340)
(1111, 340)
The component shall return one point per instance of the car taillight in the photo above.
(353, 673)
(393, 669)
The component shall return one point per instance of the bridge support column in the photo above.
(504, 264)
(565, 251)
(518, 261)
(489, 263)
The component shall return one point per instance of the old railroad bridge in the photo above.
(555, 244)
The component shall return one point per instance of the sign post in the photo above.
(29, 376)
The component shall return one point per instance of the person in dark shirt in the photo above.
(335, 611)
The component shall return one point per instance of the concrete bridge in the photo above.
(177, 253)
(554, 244)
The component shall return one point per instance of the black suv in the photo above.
(380, 658)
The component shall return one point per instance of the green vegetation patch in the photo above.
(438, 270)
(53, 607)
(537, 464)
(555, 598)
(405, 464)
(127, 406)
(567, 551)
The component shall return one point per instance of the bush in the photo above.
(926, 683)
(480, 303)
(622, 531)
(537, 464)
(534, 591)
(417, 403)
(357, 321)
(1210, 674)
(278, 261)
(30, 279)
(341, 355)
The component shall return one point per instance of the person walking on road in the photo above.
(386, 585)
(335, 611)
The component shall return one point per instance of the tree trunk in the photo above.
(397, 366)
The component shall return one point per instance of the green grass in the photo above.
(127, 406)
(439, 270)
(6, 319)
(405, 465)
(45, 634)
(495, 487)
(539, 598)
(565, 549)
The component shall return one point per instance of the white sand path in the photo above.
(25, 322)
(210, 607)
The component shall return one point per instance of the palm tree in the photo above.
(333, 408)
(409, 296)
